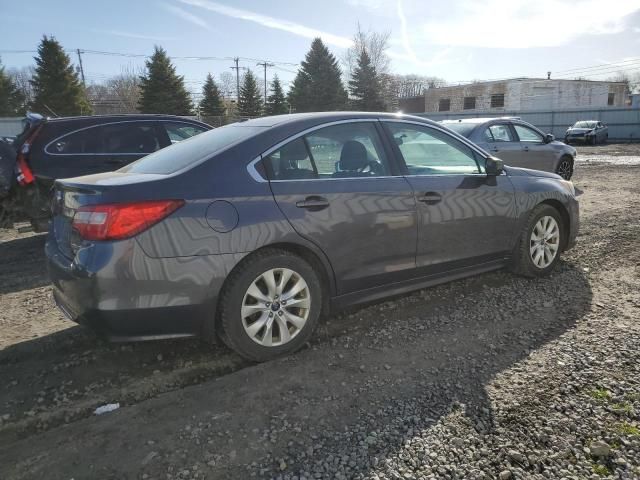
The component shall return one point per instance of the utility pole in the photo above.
(237, 69)
(265, 64)
(81, 69)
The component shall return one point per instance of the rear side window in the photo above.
(498, 133)
(349, 150)
(125, 138)
(181, 131)
(190, 152)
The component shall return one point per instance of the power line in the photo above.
(602, 65)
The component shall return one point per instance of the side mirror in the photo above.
(493, 166)
(548, 138)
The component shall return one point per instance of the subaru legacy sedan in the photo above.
(518, 143)
(252, 231)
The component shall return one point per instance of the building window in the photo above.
(444, 105)
(612, 99)
(469, 103)
(497, 100)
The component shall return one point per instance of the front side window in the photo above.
(349, 150)
(526, 134)
(181, 131)
(427, 151)
(498, 133)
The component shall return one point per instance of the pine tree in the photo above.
(250, 103)
(55, 83)
(365, 86)
(318, 86)
(211, 104)
(161, 89)
(11, 98)
(276, 102)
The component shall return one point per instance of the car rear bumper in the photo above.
(121, 293)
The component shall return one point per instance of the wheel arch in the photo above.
(564, 215)
(318, 261)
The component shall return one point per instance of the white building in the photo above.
(523, 94)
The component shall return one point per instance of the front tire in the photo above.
(540, 243)
(565, 168)
(270, 305)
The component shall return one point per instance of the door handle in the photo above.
(115, 161)
(313, 203)
(525, 148)
(430, 198)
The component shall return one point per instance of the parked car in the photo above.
(252, 230)
(587, 131)
(54, 148)
(518, 143)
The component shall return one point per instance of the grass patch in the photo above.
(601, 470)
(628, 429)
(600, 394)
(624, 407)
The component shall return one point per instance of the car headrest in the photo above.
(291, 153)
(353, 156)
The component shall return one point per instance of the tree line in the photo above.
(53, 86)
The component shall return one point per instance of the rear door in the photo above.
(536, 153)
(500, 141)
(339, 188)
(465, 218)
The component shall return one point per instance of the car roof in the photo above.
(325, 117)
(480, 120)
(132, 116)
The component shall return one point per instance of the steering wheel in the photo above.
(373, 167)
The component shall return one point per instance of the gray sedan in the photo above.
(252, 231)
(518, 143)
(587, 131)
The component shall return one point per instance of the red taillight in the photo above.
(24, 175)
(121, 220)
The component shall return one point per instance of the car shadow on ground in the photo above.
(23, 264)
(370, 382)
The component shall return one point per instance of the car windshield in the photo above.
(463, 129)
(190, 152)
(585, 125)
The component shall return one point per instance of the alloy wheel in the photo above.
(545, 242)
(276, 307)
(564, 169)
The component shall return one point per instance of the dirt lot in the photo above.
(489, 377)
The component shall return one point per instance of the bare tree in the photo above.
(21, 77)
(227, 84)
(119, 94)
(415, 85)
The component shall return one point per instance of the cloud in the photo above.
(526, 24)
(270, 22)
(189, 17)
(120, 33)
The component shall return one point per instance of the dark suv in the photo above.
(49, 149)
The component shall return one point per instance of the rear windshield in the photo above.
(585, 125)
(463, 129)
(190, 152)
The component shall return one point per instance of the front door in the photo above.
(336, 186)
(499, 140)
(465, 217)
(536, 153)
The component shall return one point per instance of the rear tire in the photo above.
(270, 305)
(538, 249)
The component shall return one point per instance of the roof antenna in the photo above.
(548, 75)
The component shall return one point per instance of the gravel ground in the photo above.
(489, 377)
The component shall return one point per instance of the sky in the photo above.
(458, 40)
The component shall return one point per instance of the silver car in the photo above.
(587, 131)
(517, 143)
